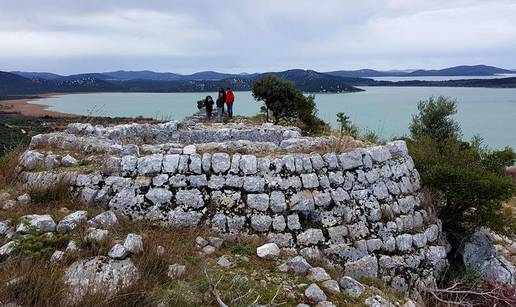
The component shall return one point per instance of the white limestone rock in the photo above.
(318, 274)
(315, 294)
(31, 160)
(269, 251)
(134, 243)
(159, 196)
(41, 223)
(364, 267)
(57, 257)
(69, 222)
(105, 219)
(23, 200)
(258, 202)
(69, 161)
(352, 287)
(99, 275)
(119, 252)
(95, 235)
(299, 265)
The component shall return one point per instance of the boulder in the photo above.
(352, 287)
(31, 160)
(216, 242)
(315, 294)
(57, 257)
(23, 200)
(331, 286)
(224, 262)
(200, 242)
(7, 248)
(105, 219)
(268, 251)
(318, 274)
(69, 222)
(41, 223)
(480, 254)
(299, 265)
(99, 275)
(119, 252)
(133, 243)
(95, 235)
(69, 161)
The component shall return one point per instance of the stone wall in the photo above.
(362, 209)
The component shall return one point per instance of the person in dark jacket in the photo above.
(230, 98)
(220, 104)
(208, 104)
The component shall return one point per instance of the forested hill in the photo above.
(305, 80)
(490, 83)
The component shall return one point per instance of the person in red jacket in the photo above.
(230, 98)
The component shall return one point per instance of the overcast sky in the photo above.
(67, 37)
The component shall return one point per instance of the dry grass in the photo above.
(31, 282)
(8, 163)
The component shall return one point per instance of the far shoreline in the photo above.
(26, 107)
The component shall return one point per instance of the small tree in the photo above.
(434, 119)
(346, 127)
(466, 179)
(288, 104)
(278, 95)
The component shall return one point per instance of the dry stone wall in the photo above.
(362, 209)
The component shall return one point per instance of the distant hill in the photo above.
(13, 84)
(463, 70)
(308, 81)
(144, 75)
(209, 81)
(40, 75)
(489, 83)
(166, 76)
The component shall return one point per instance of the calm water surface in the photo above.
(384, 110)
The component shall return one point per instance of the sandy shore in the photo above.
(23, 107)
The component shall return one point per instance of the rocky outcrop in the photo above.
(480, 254)
(361, 209)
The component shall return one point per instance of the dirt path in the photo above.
(22, 106)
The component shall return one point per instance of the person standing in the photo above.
(208, 104)
(220, 104)
(230, 98)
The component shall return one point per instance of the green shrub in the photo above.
(243, 248)
(37, 245)
(467, 180)
(371, 137)
(434, 119)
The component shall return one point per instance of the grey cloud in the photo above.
(185, 36)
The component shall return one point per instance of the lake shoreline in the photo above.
(26, 107)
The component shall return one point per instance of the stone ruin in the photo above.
(362, 209)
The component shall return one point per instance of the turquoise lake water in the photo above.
(387, 111)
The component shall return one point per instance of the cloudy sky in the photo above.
(67, 37)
